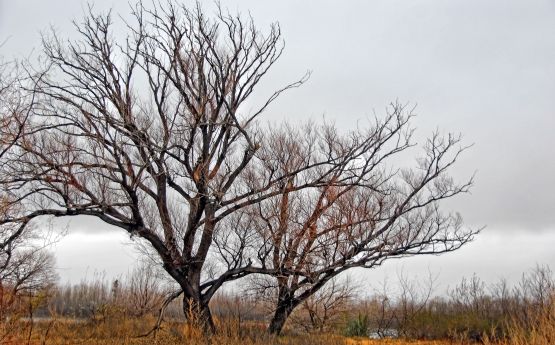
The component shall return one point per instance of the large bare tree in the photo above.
(365, 213)
(148, 133)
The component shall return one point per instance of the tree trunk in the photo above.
(199, 314)
(278, 320)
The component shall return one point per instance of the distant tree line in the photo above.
(408, 308)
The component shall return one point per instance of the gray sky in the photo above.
(485, 68)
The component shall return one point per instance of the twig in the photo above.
(158, 324)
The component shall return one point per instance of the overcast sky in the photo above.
(484, 68)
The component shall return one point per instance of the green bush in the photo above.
(357, 327)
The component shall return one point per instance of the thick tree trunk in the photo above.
(278, 320)
(199, 314)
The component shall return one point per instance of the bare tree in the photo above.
(413, 299)
(365, 213)
(13, 113)
(150, 134)
(323, 310)
(145, 293)
(535, 296)
(25, 267)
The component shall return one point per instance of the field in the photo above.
(128, 332)
(131, 331)
(126, 312)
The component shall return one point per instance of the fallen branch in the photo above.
(158, 324)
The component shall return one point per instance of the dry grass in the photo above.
(123, 331)
(540, 330)
(360, 341)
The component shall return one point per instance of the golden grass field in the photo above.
(127, 332)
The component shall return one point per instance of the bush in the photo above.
(357, 327)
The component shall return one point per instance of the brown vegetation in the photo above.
(99, 311)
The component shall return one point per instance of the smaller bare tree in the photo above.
(145, 291)
(322, 311)
(413, 298)
(361, 212)
(536, 297)
(26, 269)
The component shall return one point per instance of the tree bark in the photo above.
(198, 313)
(278, 320)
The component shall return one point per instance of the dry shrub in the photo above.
(17, 312)
(538, 329)
(126, 330)
(323, 311)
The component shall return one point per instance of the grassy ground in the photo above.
(394, 342)
(128, 331)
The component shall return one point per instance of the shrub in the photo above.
(357, 327)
